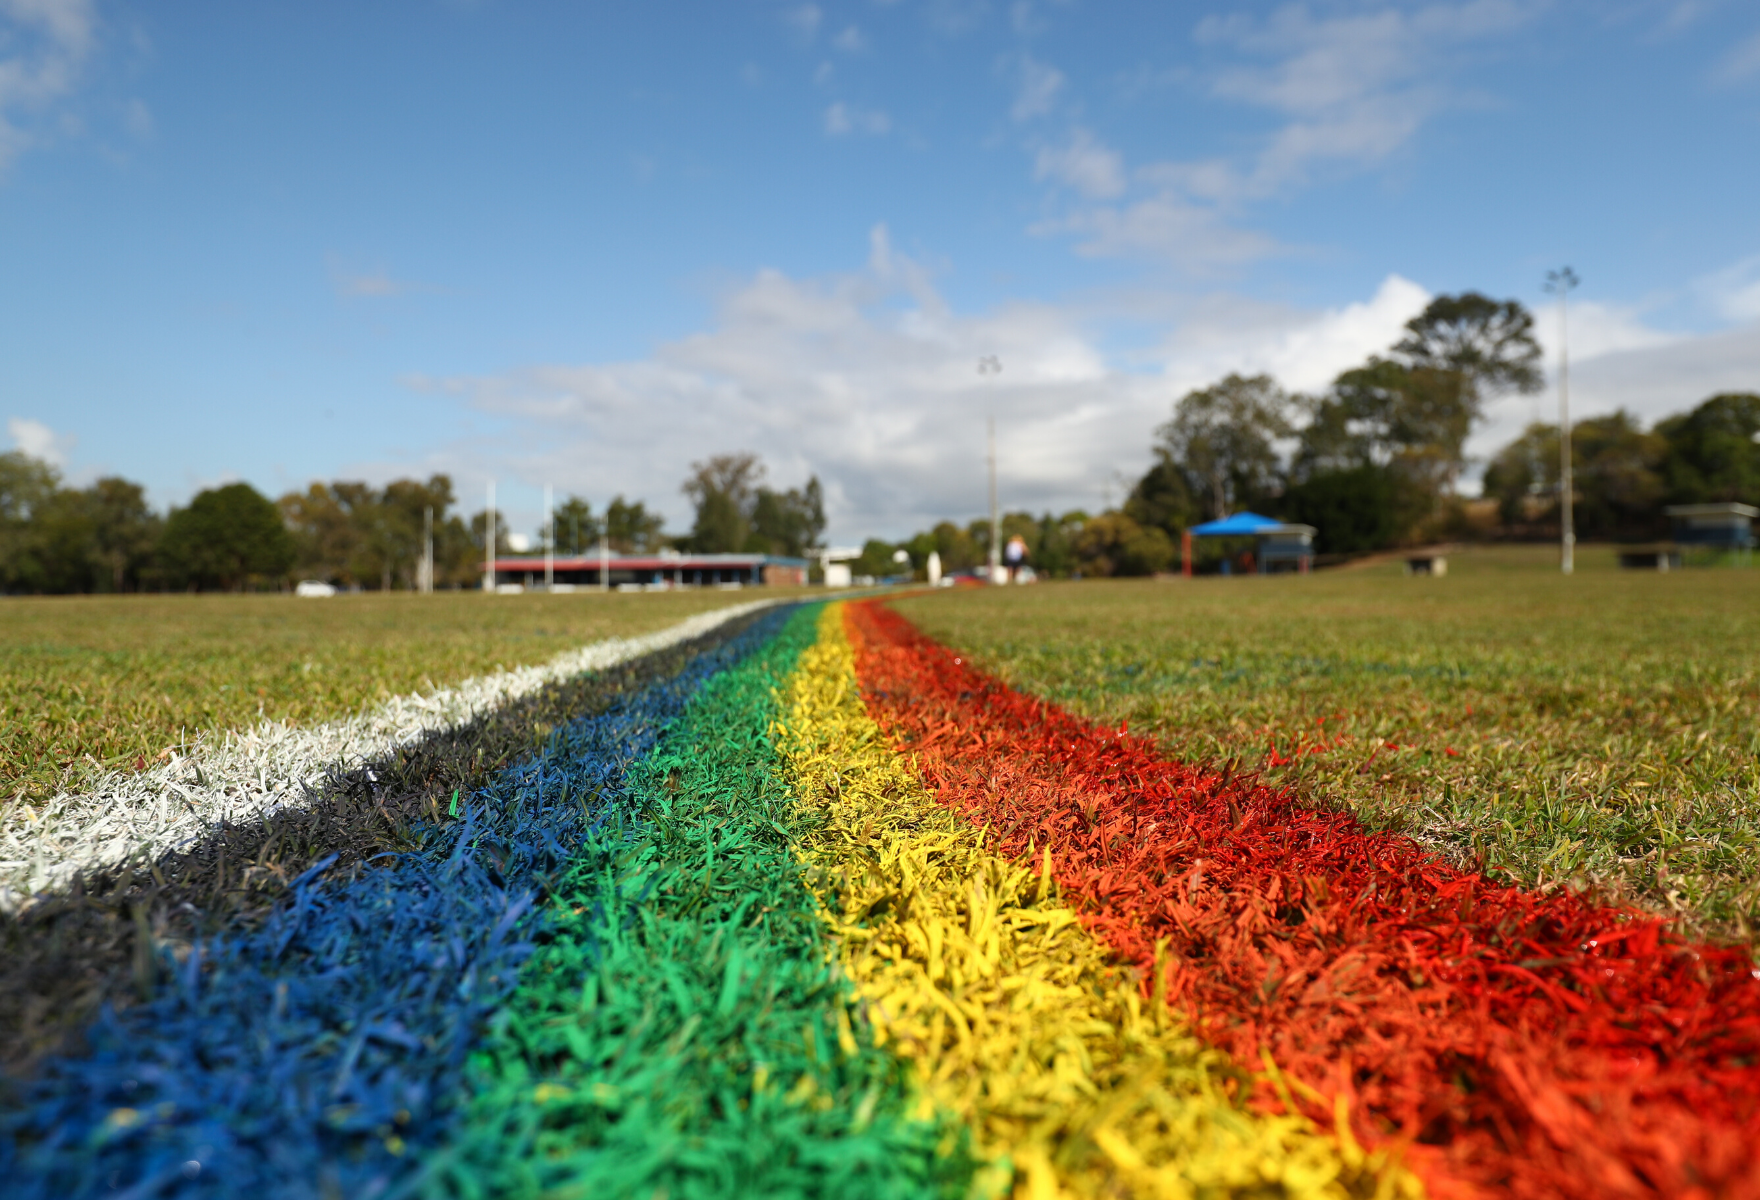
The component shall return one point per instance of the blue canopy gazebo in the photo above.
(1278, 540)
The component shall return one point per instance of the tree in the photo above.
(1458, 353)
(116, 538)
(63, 533)
(1162, 498)
(1488, 343)
(1712, 453)
(351, 532)
(577, 529)
(227, 537)
(789, 523)
(631, 528)
(1221, 438)
(478, 524)
(736, 512)
(1413, 418)
(1334, 439)
(1522, 472)
(26, 486)
(325, 537)
(1357, 509)
(1113, 544)
(55, 539)
(394, 537)
(978, 535)
(722, 489)
(959, 551)
(1054, 554)
(877, 559)
(1616, 468)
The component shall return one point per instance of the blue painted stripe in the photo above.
(320, 1053)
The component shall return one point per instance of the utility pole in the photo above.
(549, 542)
(995, 519)
(604, 562)
(428, 549)
(489, 541)
(991, 365)
(1560, 283)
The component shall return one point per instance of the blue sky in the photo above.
(586, 243)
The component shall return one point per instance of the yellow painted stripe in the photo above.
(974, 970)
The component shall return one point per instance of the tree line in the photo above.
(107, 538)
(1374, 460)
(1622, 474)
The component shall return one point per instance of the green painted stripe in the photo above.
(684, 1032)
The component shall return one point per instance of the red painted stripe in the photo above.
(1524, 1044)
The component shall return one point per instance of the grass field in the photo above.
(108, 682)
(1599, 730)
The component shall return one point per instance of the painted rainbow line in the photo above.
(827, 912)
(1509, 1042)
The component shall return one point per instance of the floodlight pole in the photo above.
(549, 542)
(995, 519)
(1561, 282)
(604, 563)
(489, 541)
(991, 365)
(428, 549)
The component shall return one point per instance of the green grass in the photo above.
(1599, 731)
(105, 682)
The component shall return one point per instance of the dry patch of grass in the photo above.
(91, 683)
(1599, 731)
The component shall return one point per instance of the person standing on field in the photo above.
(1014, 555)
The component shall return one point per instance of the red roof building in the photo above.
(656, 571)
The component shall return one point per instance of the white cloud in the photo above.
(1354, 87)
(43, 46)
(371, 283)
(1734, 292)
(866, 379)
(842, 119)
(951, 18)
(1091, 168)
(1348, 89)
(850, 40)
(806, 18)
(138, 118)
(869, 380)
(1596, 330)
(1617, 363)
(1303, 349)
(39, 441)
(1036, 89)
(1196, 237)
(1741, 63)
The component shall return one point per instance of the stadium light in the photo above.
(1560, 283)
(991, 365)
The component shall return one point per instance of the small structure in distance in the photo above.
(1278, 541)
(834, 563)
(1705, 532)
(1722, 527)
(651, 572)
